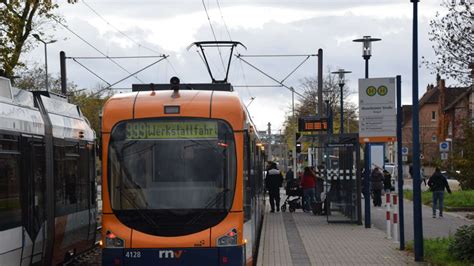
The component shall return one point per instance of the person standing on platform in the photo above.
(437, 184)
(308, 182)
(273, 182)
(387, 181)
(289, 175)
(377, 185)
(320, 182)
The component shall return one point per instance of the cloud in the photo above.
(265, 27)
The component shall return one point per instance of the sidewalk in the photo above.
(432, 228)
(304, 239)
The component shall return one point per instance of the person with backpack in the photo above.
(273, 182)
(437, 184)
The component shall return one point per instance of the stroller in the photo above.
(293, 190)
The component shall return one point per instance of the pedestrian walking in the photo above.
(289, 175)
(308, 183)
(387, 181)
(437, 184)
(377, 185)
(273, 182)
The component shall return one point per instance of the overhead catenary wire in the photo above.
(213, 34)
(118, 30)
(90, 71)
(93, 47)
(240, 62)
(116, 57)
(130, 38)
(270, 77)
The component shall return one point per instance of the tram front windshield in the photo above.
(173, 166)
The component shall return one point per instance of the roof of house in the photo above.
(430, 96)
(453, 95)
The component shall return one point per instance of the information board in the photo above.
(312, 124)
(377, 110)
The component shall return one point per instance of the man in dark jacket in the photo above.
(437, 184)
(289, 175)
(387, 181)
(273, 182)
(377, 185)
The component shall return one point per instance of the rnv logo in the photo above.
(170, 254)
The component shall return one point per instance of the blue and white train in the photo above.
(48, 209)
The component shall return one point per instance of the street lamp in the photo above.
(366, 54)
(367, 51)
(341, 75)
(37, 37)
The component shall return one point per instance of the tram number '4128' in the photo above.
(133, 254)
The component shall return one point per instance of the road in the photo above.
(432, 227)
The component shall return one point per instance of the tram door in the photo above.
(343, 182)
(32, 198)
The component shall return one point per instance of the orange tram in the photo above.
(182, 177)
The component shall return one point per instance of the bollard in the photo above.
(387, 203)
(395, 218)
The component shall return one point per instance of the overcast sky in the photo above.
(265, 27)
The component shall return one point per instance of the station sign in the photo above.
(377, 110)
(404, 158)
(311, 123)
(444, 146)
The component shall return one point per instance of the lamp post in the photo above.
(37, 37)
(367, 50)
(366, 54)
(341, 75)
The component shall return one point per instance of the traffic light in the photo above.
(298, 147)
(298, 143)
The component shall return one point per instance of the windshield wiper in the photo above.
(209, 203)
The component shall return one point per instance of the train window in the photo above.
(179, 164)
(10, 207)
(247, 177)
(71, 186)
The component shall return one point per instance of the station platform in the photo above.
(305, 239)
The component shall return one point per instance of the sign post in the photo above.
(377, 122)
(402, 154)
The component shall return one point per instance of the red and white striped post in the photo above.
(387, 203)
(395, 218)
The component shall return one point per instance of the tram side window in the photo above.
(10, 207)
(247, 169)
(73, 176)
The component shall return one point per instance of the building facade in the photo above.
(442, 114)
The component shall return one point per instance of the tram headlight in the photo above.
(113, 241)
(229, 239)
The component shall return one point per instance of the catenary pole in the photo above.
(399, 163)
(417, 215)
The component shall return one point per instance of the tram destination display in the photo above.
(172, 130)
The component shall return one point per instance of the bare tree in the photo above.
(332, 93)
(453, 37)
